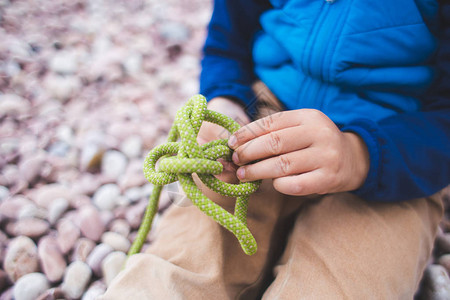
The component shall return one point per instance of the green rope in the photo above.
(202, 160)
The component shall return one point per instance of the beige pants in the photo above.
(330, 247)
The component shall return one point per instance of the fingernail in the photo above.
(235, 158)
(232, 141)
(241, 173)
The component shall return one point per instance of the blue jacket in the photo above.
(368, 65)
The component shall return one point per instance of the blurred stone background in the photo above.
(87, 87)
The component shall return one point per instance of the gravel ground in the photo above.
(87, 87)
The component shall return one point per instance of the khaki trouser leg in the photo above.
(343, 247)
(195, 258)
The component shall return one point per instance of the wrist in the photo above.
(359, 156)
(230, 107)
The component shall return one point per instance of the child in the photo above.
(352, 168)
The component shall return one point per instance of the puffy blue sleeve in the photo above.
(227, 68)
(410, 152)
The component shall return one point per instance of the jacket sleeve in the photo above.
(227, 68)
(410, 152)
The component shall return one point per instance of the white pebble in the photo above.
(105, 198)
(114, 164)
(116, 241)
(56, 209)
(30, 286)
(132, 146)
(112, 265)
(76, 279)
(4, 192)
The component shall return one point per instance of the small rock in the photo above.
(30, 286)
(121, 227)
(21, 258)
(106, 196)
(56, 209)
(68, 234)
(4, 193)
(76, 279)
(132, 146)
(174, 33)
(82, 249)
(90, 222)
(133, 194)
(11, 207)
(32, 211)
(62, 87)
(435, 283)
(95, 258)
(30, 227)
(52, 294)
(96, 289)
(112, 265)
(134, 214)
(31, 167)
(52, 261)
(45, 195)
(444, 261)
(117, 241)
(91, 156)
(11, 104)
(114, 164)
(64, 62)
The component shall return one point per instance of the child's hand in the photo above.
(209, 132)
(303, 151)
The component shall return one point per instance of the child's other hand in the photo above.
(303, 151)
(209, 131)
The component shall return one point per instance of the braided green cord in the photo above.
(202, 160)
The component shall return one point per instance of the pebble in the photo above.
(11, 104)
(76, 278)
(132, 146)
(21, 258)
(32, 211)
(97, 288)
(64, 62)
(11, 207)
(112, 265)
(114, 164)
(45, 195)
(51, 259)
(31, 167)
(30, 227)
(117, 241)
(30, 286)
(56, 209)
(90, 222)
(106, 196)
(68, 234)
(121, 227)
(4, 193)
(52, 294)
(435, 283)
(133, 194)
(82, 249)
(62, 88)
(95, 258)
(91, 156)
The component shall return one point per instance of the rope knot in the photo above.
(178, 160)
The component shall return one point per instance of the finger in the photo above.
(263, 126)
(272, 144)
(308, 183)
(280, 166)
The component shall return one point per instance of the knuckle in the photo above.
(267, 123)
(274, 145)
(284, 164)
